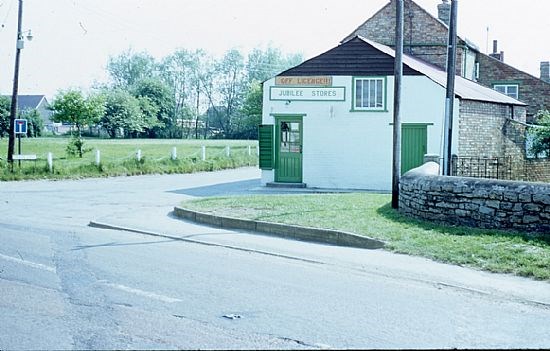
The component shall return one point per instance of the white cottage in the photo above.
(327, 122)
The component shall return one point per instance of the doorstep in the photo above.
(285, 185)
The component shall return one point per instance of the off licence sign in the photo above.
(20, 126)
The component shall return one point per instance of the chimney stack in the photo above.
(496, 54)
(444, 12)
(545, 71)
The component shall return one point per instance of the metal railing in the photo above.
(482, 167)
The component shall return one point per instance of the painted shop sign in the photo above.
(319, 81)
(307, 93)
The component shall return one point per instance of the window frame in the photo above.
(506, 86)
(383, 94)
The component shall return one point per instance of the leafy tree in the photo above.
(72, 107)
(183, 71)
(127, 114)
(224, 85)
(128, 68)
(161, 97)
(5, 104)
(541, 135)
(250, 115)
(264, 64)
(35, 124)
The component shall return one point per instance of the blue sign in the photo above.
(20, 126)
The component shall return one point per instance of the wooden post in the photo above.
(249, 150)
(204, 153)
(138, 155)
(398, 75)
(228, 151)
(450, 97)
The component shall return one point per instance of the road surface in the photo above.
(66, 285)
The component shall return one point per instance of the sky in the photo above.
(73, 39)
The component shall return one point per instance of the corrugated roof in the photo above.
(464, 88)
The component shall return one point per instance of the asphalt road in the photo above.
(65, 285)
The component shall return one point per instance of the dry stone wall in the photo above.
(475, 202)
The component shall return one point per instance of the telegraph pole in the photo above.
(13, 111)
(398, 75)
(450, 98)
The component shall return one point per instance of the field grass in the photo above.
(118, 157)
(372, 215)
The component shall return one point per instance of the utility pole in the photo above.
(398, 77)
(449, 100)
(13, 111)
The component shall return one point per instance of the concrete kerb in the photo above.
(323, 236)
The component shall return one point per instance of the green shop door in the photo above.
(414, 140)
(288, 145)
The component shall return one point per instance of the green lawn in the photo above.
(372, 215)
(118, 157)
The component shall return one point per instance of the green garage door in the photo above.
(414, 140)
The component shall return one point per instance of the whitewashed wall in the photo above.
(353, 150)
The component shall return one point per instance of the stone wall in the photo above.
(475, 202)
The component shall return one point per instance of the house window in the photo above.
(369, 94)
(512, 90)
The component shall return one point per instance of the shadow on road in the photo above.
(235, 188)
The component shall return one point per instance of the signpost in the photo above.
(20, 127)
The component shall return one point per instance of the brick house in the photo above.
(327, 122)
(426, 38)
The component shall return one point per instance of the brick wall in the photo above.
(537, 170)
(424, 36)
(485, 131)
(533, 91)
(475, 202)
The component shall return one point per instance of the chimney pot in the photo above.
(495, 46)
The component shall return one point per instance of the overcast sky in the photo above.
(74, 38)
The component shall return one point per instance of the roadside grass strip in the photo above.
(118, 157)
(371, 215)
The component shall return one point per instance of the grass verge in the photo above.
(372, 215)
(118, 158)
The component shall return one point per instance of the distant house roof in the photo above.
(25, 102)
(29, 101)
(361, 56)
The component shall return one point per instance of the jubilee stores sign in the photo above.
(307, 88)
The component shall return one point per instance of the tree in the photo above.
(35, 124)
(183, 71)
(541, 135)
(250, 115)
(161, 97)
(224, 85)
(128, 68)
(5, 104)
(72, 107)
(264, 64)
(126, 114)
